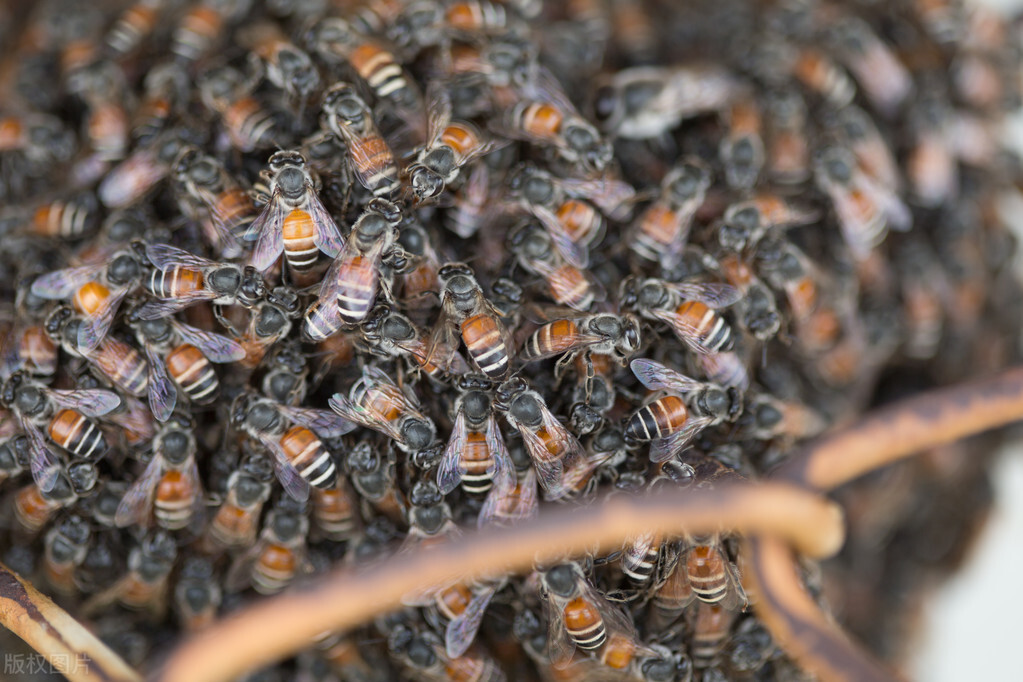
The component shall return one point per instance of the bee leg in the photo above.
(218, 314)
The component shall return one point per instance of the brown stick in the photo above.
(882, 437)
(48, 629)
(906, 428)
(277, 627)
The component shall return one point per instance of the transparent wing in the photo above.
(363, 155)
(94, 328)
(713, 294)
(664, 449)
(656, 376)
(560, 646)
(502, 466)
(287, 474)
(165, 257)
(163, 393)
(462, 630)
(612, 196)
(368, 418)
(271, 239)
(44, 462)
(326, 236)
(216, 347)
(136, 506)
(109, 362)
(92, 402)
(438, 113)
(569, 250)
(63, 283)
(686, 331)
(324, 422)
(576, 342)
(449, 473)
(548, 470)
(240, 573)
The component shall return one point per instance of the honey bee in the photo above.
(373, 476)
(469, 203)
(567, 284)
(868, 146)
(617, 336)
(745, 223)
(277, 558)
(66, 545)
(570, 209)
(197, 594)
(204, 25)
(227, 92)
(300, 457)
(15, 454)
(96, 291)
(758, 309)
(294, 220)
(100, 85)
(237, 519)
(71, 216)
(429, 522)
(450, 147)
(578, 615)
(881, 76)
(145, 586)
(349, 287)
(711, 625)
(376, 402)
(392, 334)
(30, 349)
(204, 185)
(417, 279)
(484, 334)
(475, 455)
(35, 507)
(285, 65)
(712, 576)
(766, 417)
(788, 150)
(130, 180)
(179, 356)
(866, 209)
(931, 166)
(335, 511)
(513, 497)
(669, 420)
(335, 39)
(134, 25)
(818, 73)
(349, 117)
(742, 147)
(181, 279)
(463, 606)
(689, 309)
(425, 656)
(662, 230)
(645, 101)
(559, 459)
(269, 322)
(65, 415)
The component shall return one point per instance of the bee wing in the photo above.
(44, 462)
(462, 630)
(194, 481)
(165, 257)
(331, 285)
(362, 160)
(656, 376)
(726, 369)
(63, 283)
(562, 280)
(666, 448)
(572, 253)
(131, 178)
(216, 347)
(544, 86)
(287, 474)
(324, 422)
(154, 310)
(502, 466)
(92, 402)
(684, 329)
(443, 342)
(449, 472)
(326, 236)
(560, 646)
(136, 507)
(240, 573)
(612, 196)
(95, 327)
(368, 418)
(163, 393)
(577, 342)
(438, 113)
(713, 294)
(548, 471)
(109, 363)
(735, 597)
(271, 239)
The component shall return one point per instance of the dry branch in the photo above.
(48, 629)
(277, 627)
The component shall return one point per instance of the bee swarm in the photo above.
(290, 284)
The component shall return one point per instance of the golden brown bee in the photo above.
(206, 187)
(133, 178)
(145, 586)
(285, 65)
(69, 217)
(236, 522)
(349, 117)
(600, 334)
(169, 490)
(788, 149)
(567, 284)
(66, 545)
(711, 575)
(882, 77)
(65, 416)
(197, 594)
(425, 656)
(390, 333)
(549, 119)
(228, 93)
(711, 625)
(204, 25)
(135, 24)
(277, 558)
(742, 147)
(335, 511)
(475, 455)
(376, 402)
(294, 220)
(513, 497)
(372, 473)
(689, 309)
(745, 223)
(661, 231)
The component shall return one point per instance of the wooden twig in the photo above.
(66, 644)
(280, 626)
(906, 428)
(882, 437)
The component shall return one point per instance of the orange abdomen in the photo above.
(11, 133)
(541, 120)
(38, 352)
(556, 337)
(90, 297)
(484, 339)
(453, 601)
(580, 220)
(660, 223)
(580, 615)
(460, 138)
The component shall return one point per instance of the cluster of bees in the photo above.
(290, 284)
